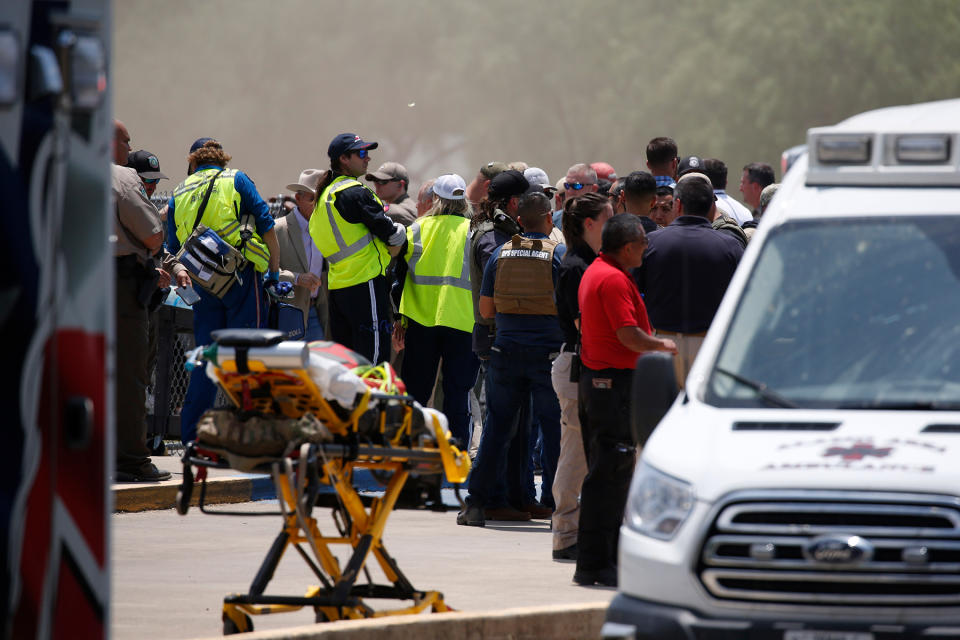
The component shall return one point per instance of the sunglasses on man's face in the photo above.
(383, 182)
(361, 153)
(150, 180)
(576, 186)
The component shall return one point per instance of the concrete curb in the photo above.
(230, 490)
(559, 622)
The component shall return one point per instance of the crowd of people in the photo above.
(537, 297)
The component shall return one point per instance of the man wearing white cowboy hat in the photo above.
(300, 261)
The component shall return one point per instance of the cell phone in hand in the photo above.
(188, 294)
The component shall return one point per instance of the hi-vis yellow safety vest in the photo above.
(437, 288)
(222, 213)
(355, 254)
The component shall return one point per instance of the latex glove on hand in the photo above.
(275, 289)
(399, 235)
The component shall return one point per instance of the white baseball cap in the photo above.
(450, 187)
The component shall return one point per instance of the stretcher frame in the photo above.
(298, 476)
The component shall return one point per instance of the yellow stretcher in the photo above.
(264, 376)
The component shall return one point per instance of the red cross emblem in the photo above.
(858, 451)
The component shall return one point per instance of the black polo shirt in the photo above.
(686, 270)
(575, 262)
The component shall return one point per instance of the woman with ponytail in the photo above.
(583, 220)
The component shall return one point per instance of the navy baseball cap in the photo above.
(199, 142)
(347, 142)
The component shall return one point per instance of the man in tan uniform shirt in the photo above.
(139, 239)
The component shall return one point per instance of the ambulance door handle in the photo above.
(78, 422)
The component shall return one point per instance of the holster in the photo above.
(575, 367)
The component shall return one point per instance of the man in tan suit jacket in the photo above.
(300, 261)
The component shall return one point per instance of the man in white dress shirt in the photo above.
(300, 261)
(716, 170)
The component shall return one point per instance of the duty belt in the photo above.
(698, 334)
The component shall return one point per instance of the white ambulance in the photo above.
(806, 484)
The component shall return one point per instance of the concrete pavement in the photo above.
(223, 486)
(171, 572)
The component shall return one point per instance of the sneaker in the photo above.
(603, 577)
(147, 472)
(471, 516)
(538, 511)
(508, 514)
(567, 553)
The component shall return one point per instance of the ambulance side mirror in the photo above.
(654, 390)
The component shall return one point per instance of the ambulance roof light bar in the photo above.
(889, 158)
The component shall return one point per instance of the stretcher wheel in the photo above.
(230, 627)
(186, 490)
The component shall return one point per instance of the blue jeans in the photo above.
(514, 375)
(314, 329)
(243, 307)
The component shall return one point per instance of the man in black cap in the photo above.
(495, 225)
(357, 238)
(138, 278)
(148, 168)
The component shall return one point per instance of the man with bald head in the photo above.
(581, 179)
(139, 240)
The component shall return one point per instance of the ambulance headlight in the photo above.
(658, 504)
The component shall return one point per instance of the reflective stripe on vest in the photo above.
(437, 290)
(344, 250)
(461, 282)
(355, 255)
(220, 215)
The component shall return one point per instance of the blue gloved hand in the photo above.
(274, 288)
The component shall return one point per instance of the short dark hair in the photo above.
(761, 173)
(696, 196)
(619, 231)
(661, 150)
(639, 184)
(716, 170)
(533, 206)
(664, 190)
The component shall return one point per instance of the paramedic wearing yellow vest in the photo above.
(243, 306)
(357, 238)
(518, 290)
(437, 304)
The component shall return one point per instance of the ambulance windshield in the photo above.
(854, 313)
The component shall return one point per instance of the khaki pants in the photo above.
(688, 344)
(572, 464)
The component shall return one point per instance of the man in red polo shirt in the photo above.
(614, 330)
